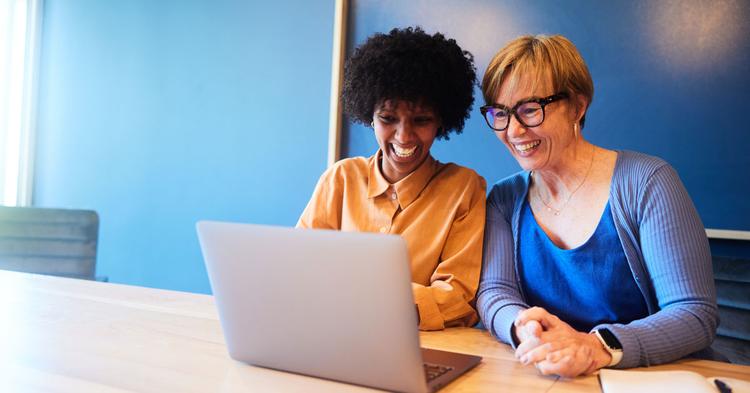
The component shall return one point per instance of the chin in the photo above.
(533, 162)
(528, 164)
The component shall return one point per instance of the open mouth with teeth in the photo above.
(404, 152)
(527, 147)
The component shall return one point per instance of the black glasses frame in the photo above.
(514, 111)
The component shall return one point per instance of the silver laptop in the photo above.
(329, 304)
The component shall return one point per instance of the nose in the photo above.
(404, 132)
(515, 128)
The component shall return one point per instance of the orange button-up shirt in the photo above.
(438, 209)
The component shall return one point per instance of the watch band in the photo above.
(611, 344)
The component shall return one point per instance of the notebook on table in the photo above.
(626, 381)
(329, 304)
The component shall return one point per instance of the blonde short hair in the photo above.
(541, 57)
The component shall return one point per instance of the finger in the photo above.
(569, 361)
(568, 366)
(562, 349)
(527, 345)
(531, 341)
(556, 356)
(560, 328)
(547, 320)
(557, 368)
(528, 330)
(533, 313)
(538, 354)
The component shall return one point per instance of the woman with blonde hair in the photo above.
(592, 257)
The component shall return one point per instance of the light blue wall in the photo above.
(159, 113)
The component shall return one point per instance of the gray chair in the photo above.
(732, 277)
(58, 242)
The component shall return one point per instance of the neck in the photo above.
(559, 182)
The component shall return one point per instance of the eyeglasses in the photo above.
(530, 112)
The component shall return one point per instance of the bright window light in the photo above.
(20, 22)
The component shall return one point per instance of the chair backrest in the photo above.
(732, 277)
(57, 242)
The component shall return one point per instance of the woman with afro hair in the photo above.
(411, 88)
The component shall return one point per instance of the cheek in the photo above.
(427, 137)
(380, 136)
(558, 130)
(503, 137)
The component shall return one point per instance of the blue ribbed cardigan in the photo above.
(664, 242)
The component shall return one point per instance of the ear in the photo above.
(581, 105)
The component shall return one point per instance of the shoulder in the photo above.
(637, 167)
(505, 192)
(348, 168)
(352, 164)
(640, 179)
(456, 174)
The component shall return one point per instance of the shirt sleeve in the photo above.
(323, 211)
(499, 299)
(447, 301)
(678, 259)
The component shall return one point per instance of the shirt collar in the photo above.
(408, 188)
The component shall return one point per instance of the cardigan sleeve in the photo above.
(677, 258)
(499, 299)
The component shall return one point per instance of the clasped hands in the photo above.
(554, 347)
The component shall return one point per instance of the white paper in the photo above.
(621, 381)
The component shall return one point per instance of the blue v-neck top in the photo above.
(577, 284)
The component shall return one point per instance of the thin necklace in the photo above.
(558, 211)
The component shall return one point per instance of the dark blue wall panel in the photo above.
(672, 79)
(159, 113)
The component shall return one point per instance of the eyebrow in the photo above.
(519, 102)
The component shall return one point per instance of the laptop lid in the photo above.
(336, 305)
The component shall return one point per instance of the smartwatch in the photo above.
(611, 344)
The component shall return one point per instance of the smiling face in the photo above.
(405, 132)
(548, 145)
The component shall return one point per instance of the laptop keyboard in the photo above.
(432, 371)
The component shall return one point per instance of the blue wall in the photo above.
(671, 79)
(159, 113)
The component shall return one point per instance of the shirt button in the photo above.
(383, 229)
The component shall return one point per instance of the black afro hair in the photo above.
(411, 65)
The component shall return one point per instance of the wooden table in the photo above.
(66, 335)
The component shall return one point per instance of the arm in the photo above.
(323, 211)
(499, 299)
(676, 253)
(446, 301)
(539, 337)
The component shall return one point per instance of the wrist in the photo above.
(610, 344)
(513, 337)
(602, 357)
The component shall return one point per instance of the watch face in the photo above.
(610, 339)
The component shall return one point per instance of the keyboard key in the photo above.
(432, 371)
